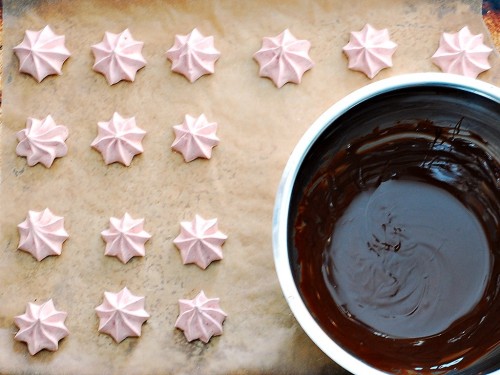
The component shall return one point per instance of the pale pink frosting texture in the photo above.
(42, 234)
(284, 58)
(193, 55)
(200, 241)
(121, 315)
(41, 53)
(41, 327)
(42, 141)
(125, 238)
(118, 57)
(119, 139)
(370, 50)
(462, 53)
(200, 318)
(195, 138)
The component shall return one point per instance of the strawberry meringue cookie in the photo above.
(462, 53)
(370, 50)
(121, 315)
(42, 234)
(118, 57)
(284, 58)
(41, 327)
(125, 238)
(200, 241)
(195, 138)
(41, 53)
(200, 318)
(193, 55)
(119, 139)
(42, 141)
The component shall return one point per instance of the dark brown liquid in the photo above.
(397, 240)
(407, 259)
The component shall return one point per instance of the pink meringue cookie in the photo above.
(121, 315)
(462, 53)
(193, 55)
(42, 234)
(200, 241)
(284, 58)
(200, 318)
(41, 53)
(41, 327)
(42, 141)
(125, 238)
(119, 139)
(118, 57)
(370, 50)
(195, 138)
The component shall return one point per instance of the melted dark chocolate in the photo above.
(396, 237)
(384, 265)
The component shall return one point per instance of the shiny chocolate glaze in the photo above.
(395, 231)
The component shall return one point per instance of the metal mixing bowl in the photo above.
(323, 128)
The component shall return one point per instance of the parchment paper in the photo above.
(258, 127)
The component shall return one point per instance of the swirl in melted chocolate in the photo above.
(384, 264)
(396, 238)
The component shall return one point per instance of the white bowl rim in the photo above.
(284, 193)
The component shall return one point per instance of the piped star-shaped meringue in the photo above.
(284, 58)
(121, 315)
(42, 234)
(118, 57)
(195, 138)
(119, 139)
(193, 55)
(462, 53)
(200, 241)
(41, 53)
(125, 238)
(42, 141)
(41, 327)
(200, 318)
(370, 50)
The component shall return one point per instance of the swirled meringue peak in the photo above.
(41, 327)
(200, 318)
(41, 53)
(462, 53)
(42, 141)
(193, 55)
(118, 57)
(195, 138)
(125, 238)
(121, 315)
(370, 50)
(119, 139)
(42, 234)
(284, 58)
(200, 241)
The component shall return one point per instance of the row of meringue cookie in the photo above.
(118, 140)
(121, 315)
(200, 241)
(282, 58)
(118, 56)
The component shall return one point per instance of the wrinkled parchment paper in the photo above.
(258, 127)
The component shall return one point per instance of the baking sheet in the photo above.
(258, 128)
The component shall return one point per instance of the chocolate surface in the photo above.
(395, 220)
(407, 259)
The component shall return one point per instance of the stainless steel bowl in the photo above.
(281, 227)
